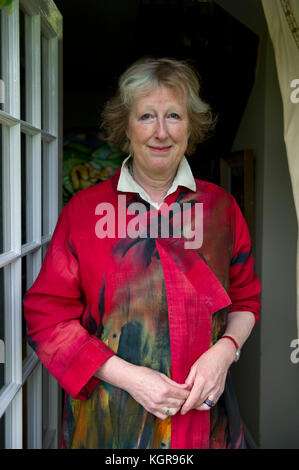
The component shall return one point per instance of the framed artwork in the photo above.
(237, 177)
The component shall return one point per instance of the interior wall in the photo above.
(279, 418)
(251, 135)
(266, 381)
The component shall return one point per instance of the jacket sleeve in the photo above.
(53, 307)
(245, 287)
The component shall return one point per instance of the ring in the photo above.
(210, 403)
(167, 411)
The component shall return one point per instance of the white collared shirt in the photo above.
(126, 182)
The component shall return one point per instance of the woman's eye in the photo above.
(146, 116)
(174, 116)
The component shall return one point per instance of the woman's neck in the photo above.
(156, 187)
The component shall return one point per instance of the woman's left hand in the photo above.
(207, 376)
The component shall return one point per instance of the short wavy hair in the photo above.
(141, 78)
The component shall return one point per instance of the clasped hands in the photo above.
(164, 397)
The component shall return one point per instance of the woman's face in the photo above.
(158, 130)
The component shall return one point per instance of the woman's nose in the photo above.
(161, 130)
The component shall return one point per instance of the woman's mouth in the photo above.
(160, 149)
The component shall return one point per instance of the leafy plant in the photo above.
(5, 3)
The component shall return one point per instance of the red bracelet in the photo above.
(232, 339)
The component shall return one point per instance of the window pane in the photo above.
(45, 170)
(26, 187)
(2, 432)
(1, 194)
(24, 420)
(2, 91)
(44, 250)
(43, 76)
(22, 65)
(27, 270)
(45, 71)
(2, 347)
(5, 288)
(4, 196)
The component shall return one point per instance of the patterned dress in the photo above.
(149, 300)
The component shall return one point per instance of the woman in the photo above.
(141, 330)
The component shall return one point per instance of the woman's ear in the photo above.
(127, 136)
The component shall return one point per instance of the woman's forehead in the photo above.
(161, 95)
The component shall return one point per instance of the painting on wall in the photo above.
(87, 160)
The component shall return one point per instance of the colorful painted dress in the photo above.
(149, 300)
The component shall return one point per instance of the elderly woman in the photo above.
(139, 328)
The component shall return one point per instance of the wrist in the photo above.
(117, 372)
(227, 351)
(233, 342)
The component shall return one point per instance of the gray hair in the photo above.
(146, 75)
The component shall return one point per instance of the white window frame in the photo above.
(41, 17)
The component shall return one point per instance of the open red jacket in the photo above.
(68, 307)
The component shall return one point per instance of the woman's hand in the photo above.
(207, 376)
(156, 392)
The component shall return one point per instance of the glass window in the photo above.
(45, 173)
(2, 432)
(24, 289)
(43, 76)
(44, 250)
(23, 188)
(26, 187)
(1, 194)
(22, 66)
(2, 338)
(27, 281)
(25, 415)
(2, 87)
(5, 235)
(5, 359)
(19, 220)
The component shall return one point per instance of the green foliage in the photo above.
(5, 3)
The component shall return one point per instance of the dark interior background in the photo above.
(102, 38)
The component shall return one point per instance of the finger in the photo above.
(191, 377)
(160, 415)
(191, 401)
(175, 384)
(177, 393)
(170, 411)
(165, 412)
(205, 407)
(174, 403)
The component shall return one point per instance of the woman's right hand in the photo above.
(156, 392)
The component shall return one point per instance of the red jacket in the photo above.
(67, 307)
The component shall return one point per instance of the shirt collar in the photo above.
(126, 182)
